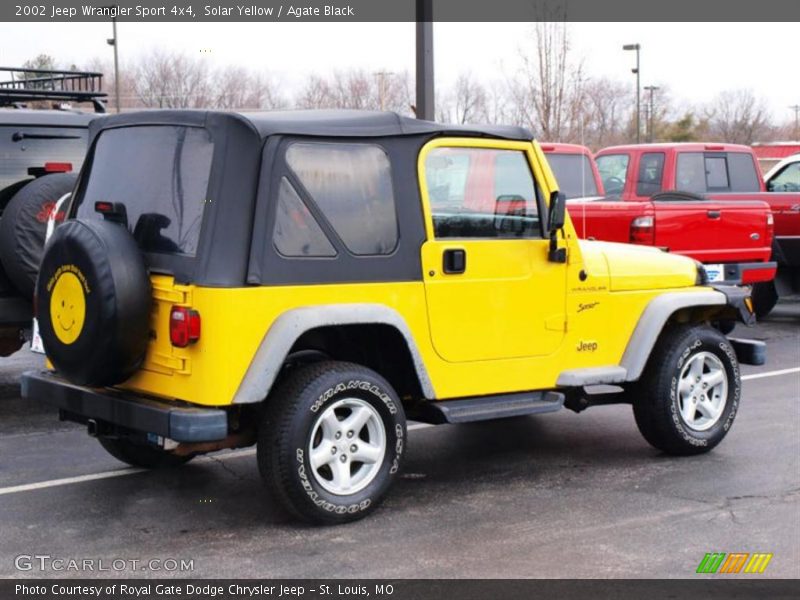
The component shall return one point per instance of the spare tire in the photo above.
(23, 228)
(93, 302)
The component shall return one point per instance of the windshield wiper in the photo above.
(19, 136)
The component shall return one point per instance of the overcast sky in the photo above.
(696, 60)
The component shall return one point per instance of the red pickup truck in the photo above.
(671, 196)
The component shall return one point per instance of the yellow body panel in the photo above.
(513, 323)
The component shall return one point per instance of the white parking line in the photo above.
(771, 373)
(28, 487)
(68, 480)
(14, 489)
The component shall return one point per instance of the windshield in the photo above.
(574, 175)
(613, 170)
(160, 175)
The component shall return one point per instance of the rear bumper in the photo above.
(141, 414)
(744, 273)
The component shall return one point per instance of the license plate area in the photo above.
(715, 273)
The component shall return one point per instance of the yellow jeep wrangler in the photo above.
(304, 281)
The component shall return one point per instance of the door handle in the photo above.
(714, 214)
(454, 261)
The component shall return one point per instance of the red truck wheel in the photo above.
(765, 297)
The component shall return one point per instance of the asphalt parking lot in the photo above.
(559, 495)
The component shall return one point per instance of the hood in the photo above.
(631, 267)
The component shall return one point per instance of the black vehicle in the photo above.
(42, 145)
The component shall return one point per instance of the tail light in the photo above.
(184, 326)
(770, 228)
(57, 167)
(643, 231)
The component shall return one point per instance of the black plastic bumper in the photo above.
(739, 299)
(146, 415)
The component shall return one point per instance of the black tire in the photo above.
(94, 278)
(289, 420)
(725, 326)
(23, 228)
(141, 455)
(656, 399)
(765, 297)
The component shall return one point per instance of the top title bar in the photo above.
(404, 10)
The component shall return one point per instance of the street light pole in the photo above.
(637, 47)
(650, 111)
(113, 42)
(424, 108)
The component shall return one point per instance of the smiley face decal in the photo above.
(67, 307)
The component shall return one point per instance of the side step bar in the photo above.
(485, 408)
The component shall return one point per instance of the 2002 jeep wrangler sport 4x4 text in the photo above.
(305, 280)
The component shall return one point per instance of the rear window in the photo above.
(574, 174)
(25, 150)
(160, 174)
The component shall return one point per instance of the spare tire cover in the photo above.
(93, 302)
(24, 224)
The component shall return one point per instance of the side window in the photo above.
(743, 173)
(690, 173)
(651, 170)
(717, 173)
(481, 193)
(352, 186)
(613, 171)
(297, 233)
(788, 180)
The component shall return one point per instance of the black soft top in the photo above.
(318, 123)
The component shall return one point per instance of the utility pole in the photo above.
(637, 48)
(113, 42)
(424, 108)
(650, 111)
(796, 109)
(381, 75)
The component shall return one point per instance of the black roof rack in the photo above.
(31, 85)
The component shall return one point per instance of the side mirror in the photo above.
(557, 214)
(555, 222)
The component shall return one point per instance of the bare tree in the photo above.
(470, 101)
(605, 111)
(357, 89)
(738, 117)
(547, 95)
(237, 88)
(173, 80)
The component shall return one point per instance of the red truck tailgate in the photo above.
(713, 231)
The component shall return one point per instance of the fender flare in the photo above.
(643, 340)
(284, 332)
(652, 322)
